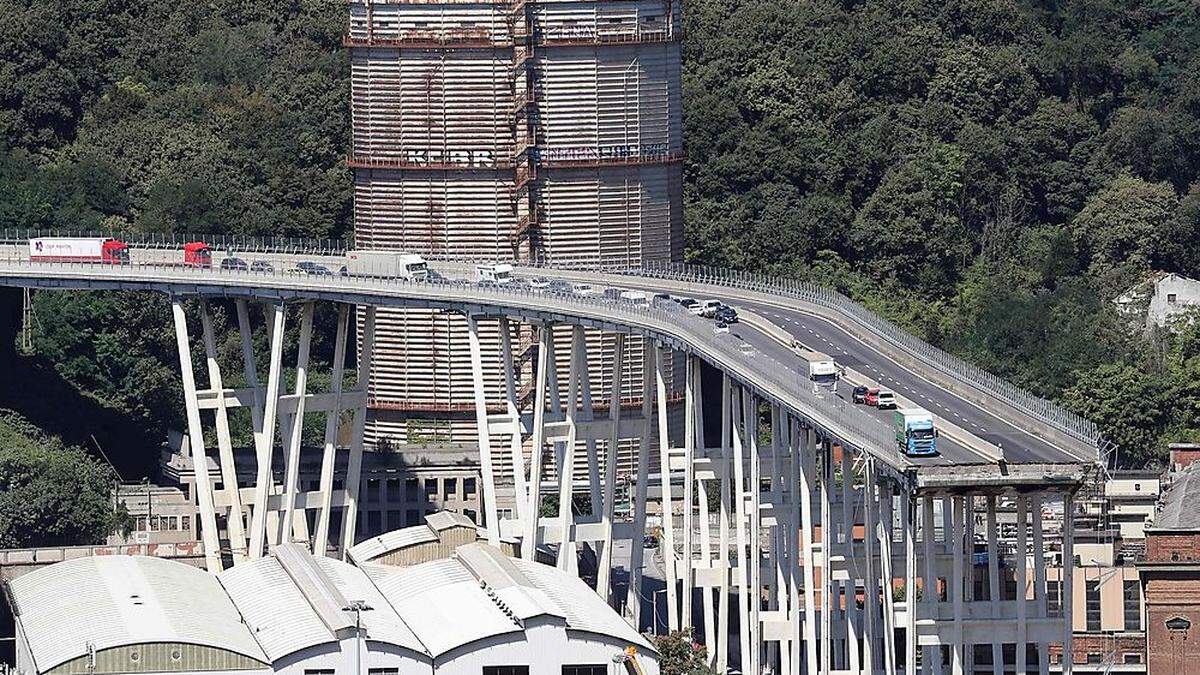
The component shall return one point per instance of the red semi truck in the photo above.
(105, 250)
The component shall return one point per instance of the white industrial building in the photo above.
(476, 612)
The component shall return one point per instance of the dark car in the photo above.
(859, 395)
(661, 297)
(559, 287)
(726, 314)
(261, 266)
(236, 264)
(310, 267)
(649, 541)
(612, 293)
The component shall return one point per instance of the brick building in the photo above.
(1170, 572)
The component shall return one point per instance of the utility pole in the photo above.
(358, 607)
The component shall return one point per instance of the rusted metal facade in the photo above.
(518, 130)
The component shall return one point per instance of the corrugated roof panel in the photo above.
(583, 608)
(278, 615)
(442, 603)
(112, 601)
(382, 622)
(369, 549)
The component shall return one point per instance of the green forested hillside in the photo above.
(989, 173)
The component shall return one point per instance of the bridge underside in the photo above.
(781, 545)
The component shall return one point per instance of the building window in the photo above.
(372, 490)
(1132, 658)
(1053, 596)
(431, 487)
(318, 671)
(412, 517)
(393, 489)
(1095, 658)
(1133, 604)
(469, 487)
(411, 490)
(1171, 298)
(506, 670)
(374, 522)
(394, 521)
(450, 488)
(585, 670)
(383, 671)
(1091, 591)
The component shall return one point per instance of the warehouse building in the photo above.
(475, 612)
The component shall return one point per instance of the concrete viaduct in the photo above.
(862, 559)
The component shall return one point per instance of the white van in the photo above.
(495, 273)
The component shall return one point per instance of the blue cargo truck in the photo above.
(915, 433)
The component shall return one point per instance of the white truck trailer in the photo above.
(387, 265)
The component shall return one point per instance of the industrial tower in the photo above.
(526, 130)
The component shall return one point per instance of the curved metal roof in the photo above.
(292, 600)
(116, 601)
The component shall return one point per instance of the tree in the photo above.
(1124, 224)
(679, 655)
(52, 494)
(1132, 407)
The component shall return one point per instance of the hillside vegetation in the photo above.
(988, 173)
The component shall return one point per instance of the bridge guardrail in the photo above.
(1039, 408)
(836, 416)
(1048, 412)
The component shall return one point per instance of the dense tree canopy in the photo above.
(988, 173)
(51, 494)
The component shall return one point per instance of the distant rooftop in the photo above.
(1180, 510)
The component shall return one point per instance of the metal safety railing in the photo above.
(666, 322)
(1036, 407)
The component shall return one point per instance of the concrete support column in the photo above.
(870, 581)
(567, 558)
(908, 523)
(750, 421)
(1068, 577)
(354, 463)
(885, 563)
(329, 456)
(603, 574)
(740, 438)
(804, 454)
(853, 647)
(828, 536)
(229, 479)
(486, 468)
(722, 563)
(932, 656)
(643, 477)
(512, 409)
(994, 583)
(295, 428)
(265, 480)
(532, 516)
(668, 503)
(1022, 579)
(204, 492)
(691, 385)
(957, 582)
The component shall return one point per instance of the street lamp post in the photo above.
(358, 607)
